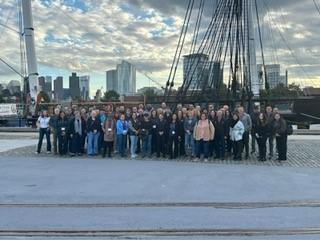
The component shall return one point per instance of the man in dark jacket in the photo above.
(254, 118)
(75, 132)
(161, 136)
(53, 126)
(220, 134)
(270, 129)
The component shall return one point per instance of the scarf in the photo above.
(78, 126)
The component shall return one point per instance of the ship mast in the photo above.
(256, 85)
(28, 33)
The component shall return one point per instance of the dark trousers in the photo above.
(253, 142)
(153, 143)
(173, 147)
(228, 145)
(42, 132)
(245, 142)
(237, 149)
(202, 147)
(262, 144)
(55, 142)
(270, 140)
(219, 146)
(281, 143)
(107, 148)
(75, 144)
(83, 143)
(161, 145)
(63, 144)
(211, 147)
(138, 145)
(181, 144)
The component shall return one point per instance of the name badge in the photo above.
(63, 129)
(109, 129)
(173, 132)
(154, 126)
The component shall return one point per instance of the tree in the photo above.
(1, 99)
(110, 96)
(43, 97)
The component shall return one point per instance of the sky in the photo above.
(92, 36)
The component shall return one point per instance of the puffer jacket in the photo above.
(236, 132)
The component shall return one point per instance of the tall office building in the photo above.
(58, 88)
(48, 86)
(126, 75)
(42, 82)
(112, 80)
(74, 85)
(195, 70)
(84, 87)
(215, 72)
(273, 75)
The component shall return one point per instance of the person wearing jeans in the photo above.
(122, 130)
(203, 134)
(189, 124)
(145, 134)
(134, 128)
(44, 129)
(93, 128)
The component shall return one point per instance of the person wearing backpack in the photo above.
(203, 133)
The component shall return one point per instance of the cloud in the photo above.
(93, 36)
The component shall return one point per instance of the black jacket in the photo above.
(93, 124)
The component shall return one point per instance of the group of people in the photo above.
(184, 131)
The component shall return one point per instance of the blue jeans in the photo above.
(202, 148)
(93, 143)
(189, 144)
(134, 140)
(146, 145)
(42, 132)
(121, 144)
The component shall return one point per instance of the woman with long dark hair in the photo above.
(261, 130)
(62, 133)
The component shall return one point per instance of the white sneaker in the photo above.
(37, 152)
(206, 160)
(48, 152)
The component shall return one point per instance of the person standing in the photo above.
(203, 133)
(236, 136)
(84, 119)
(108, 136)
(53, 126)
(93, 129)
(75, 132)
(220, 134)
(260, 130)
(254, 118)
(161, 136)
(154, 119)
(44, 129)
(122, 131)
(62, 134)
(189, 123)
(247, 123)
(134, 129)
(173, 137)
(270, 132)
(280, 130)
(145, 135)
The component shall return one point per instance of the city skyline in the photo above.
(145, 33)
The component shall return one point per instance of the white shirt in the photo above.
(44, 122)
